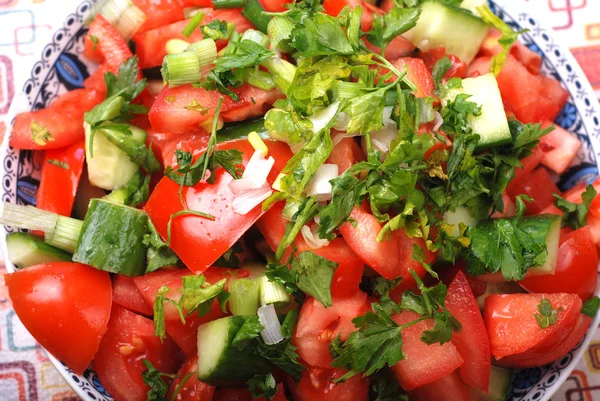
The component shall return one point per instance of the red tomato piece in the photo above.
(126, 295)
(96, 80)
(318, 326)
(150, 45)
(350, 268)
(199, 242)
(430, 57)
(530, 59)
(423, 364)
(471, 341)
(529, 164)
(55, 304)
(165, 145)
(192, 389)
(316, 385)
(512, 326)
(560, 148)
(91, 50)
(160, 12)
(539, 356)
(275, 6)
(61, 171)
(128, 342)
(334, 7)
(243, 394)
(448, 388)
(183, 334)
(253, 102)
(110, 44)
(417, 73)
(576, 269)
(346, 153)
(398, 47)
(62, 121)
(391, 258)
(449, 272)
(539, 186)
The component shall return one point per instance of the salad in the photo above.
(304, 200)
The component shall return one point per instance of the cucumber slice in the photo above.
(111, 238)
(492, 124)
(219, 362)
(26, 250)
(108, 166)
(472, 5)
(441, 25)
(543, 228)
(499, 385)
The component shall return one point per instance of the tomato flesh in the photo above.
(126, 295)
(316, 385)
(192, 389)
(560, 148)
(418, 74)
(448, 388)
(55, 304)
(539, 186)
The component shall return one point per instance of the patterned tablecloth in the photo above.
(25, 26)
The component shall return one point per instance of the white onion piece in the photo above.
(312, 238)
(342, 121)
(249, 199)
(255, 174)
(268, 318)
(381, 140)
(387, 116)
(319, 183)
(437, 119)
(322, 117)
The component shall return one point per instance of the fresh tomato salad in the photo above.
(309, 201)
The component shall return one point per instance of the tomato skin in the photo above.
(423, 363)
(96, 80)
(418, 74)
(193, 389)
(189, 233)
(529, 164)
(348, 274)
(160, 12)
(274, 6)
(243, 394)
(110, 44)
(430, 57)
(530, 59)
(512, 326)
(472, 341)
(58, 185)
(165, 145)
(576, 269)
(318, 326)
(560, 148)
(448, 388)
(126, 295)
(345, 154)
(185, 335)
(63, 119)
(540, 355)
(119, 363)
(315, 385)
(55, 304)
(539, 186)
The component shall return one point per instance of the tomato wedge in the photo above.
(243, 394)
(576, 269)
(55, 304)
(560, 148)
(126, 295)
(539, 186)
(316, 385)
(471, 341)
(110, 44)
(346, 153)
(192, 389)
(350, 267)
(189, 233)
(448, 388)
(417, 73)
(423, 363)
(512, 326)
(161, 12)
(318, 326)
(430, 57)
(128, 342)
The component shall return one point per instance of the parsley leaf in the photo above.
(158, 254)
(591, 306)
(440, 69)
(546, 315)
(154, 378)
(391, 24)
(575, 215)
(217, 29)
(456, 113)
(263, 386)
(58, 163)
(320, 35)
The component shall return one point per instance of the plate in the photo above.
(61, 68)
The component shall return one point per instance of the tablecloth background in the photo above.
(25, 25)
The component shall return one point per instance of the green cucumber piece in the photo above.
(543, 228)
(240, 130)
(499, 385)
(219, 362)
(112, 238)
(108, 166)
(441, 25)
(26, 250)
(492, 124)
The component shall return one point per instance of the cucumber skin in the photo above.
(240, 130)
(40, 252)
(111, 239)
(234, 367)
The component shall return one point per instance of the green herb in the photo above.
(385, 387)
(440, 69)
(391, 24)
(590, 307)
(232, 258)
(508, 38)
(40, 134)
(546, 315)
(58, 163)
(158, 254)
(263, 386)
(154, 378)
(457, 112)
(192, 25)
(217, 29)
(575, 215)
(320, 35)
(306, 211)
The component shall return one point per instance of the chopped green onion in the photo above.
(220, 4)
(175, 46)
(180, 69)
(348, 90)
(255, 13)
(193, 24)
(130, 22)
(111, 10)
(256, 36)
(279, 30)
(273, 293)
(122, 14)
(260, 79)
(65, 235)
(245, 296)
(205, 50)
(283, 71)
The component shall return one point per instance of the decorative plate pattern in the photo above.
(61, 68)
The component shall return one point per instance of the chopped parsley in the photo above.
(575, 214)
(590, 307)
(58, 163)
(546, 315)
(40, 134)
